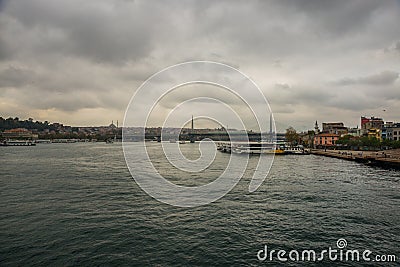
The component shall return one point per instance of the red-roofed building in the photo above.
(325, 140)
(373, 122)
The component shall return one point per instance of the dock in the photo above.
(385, 159)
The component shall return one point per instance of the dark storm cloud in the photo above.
(94, 54)
(100, 31)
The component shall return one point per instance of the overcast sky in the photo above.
(79, 62)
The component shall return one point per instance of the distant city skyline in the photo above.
(204, 125)
(79, 64)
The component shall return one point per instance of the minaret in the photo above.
(270, 124)
(191, 135)
(316, 127)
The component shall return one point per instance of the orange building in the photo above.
(325, 140)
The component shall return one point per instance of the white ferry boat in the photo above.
(261, 148)
(296, 150)
(18, 143)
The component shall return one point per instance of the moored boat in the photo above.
(18, 143)
(250, 148)
(261, 148)
(295, 150)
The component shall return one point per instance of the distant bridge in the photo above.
(255, 137)
(192, 136)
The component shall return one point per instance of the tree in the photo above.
(291, 136)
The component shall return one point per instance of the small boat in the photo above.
(224, 147)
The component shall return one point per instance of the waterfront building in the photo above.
(324, 140)
(307, 138)
(374, 132)
(373, 122)
(371, 126)
(391, 131)
(356, 132)
(396, 134)
(19, 133)
(112, 125)
(384, 132)
(334, 128)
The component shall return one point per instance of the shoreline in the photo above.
(389, 159)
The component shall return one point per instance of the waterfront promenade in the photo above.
(384, 158)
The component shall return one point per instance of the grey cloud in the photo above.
(100, 31)
(397, 46)
(16, 77)
(118, 32)
(392, 49)
(4, 49)
(94, 54)
(301, 94)
(324, 96)
(383, 78)
(282, 86)
(336, 17)
(68, 102)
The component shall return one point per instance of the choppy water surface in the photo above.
(76, 204)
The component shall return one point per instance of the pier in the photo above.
(385, 159)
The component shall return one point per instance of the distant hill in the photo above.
(12, 123)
